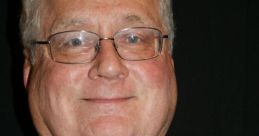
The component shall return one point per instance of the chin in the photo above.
(111, 126)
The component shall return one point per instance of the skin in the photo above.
(108, 96)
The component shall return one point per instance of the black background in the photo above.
(216, 59)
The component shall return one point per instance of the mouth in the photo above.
(108, 100)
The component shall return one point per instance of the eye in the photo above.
(75, 42)
(133, 39)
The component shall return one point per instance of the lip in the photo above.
(109, 100)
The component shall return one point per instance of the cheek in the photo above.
(58, 84)
(157, 91)
(53, 95)
(153, 74)
(62, 78)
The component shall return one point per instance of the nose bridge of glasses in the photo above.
(106, 39)
(110, 48)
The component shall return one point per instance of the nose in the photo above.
(107, 63)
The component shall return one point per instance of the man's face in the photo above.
(108, 96)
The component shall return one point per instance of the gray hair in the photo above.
(30, 21)
(167, 16)
(30, 24)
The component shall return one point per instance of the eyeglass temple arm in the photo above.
(40, 42)
(165, 36)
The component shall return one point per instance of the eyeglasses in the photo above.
(134, 44)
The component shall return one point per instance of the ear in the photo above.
(26, 67)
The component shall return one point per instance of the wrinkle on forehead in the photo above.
(63, 24)
(69, 15)
(82, 22)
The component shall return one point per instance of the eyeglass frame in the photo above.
(48, 43)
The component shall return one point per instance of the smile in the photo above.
(109, 100)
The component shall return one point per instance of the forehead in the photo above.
(96, 13)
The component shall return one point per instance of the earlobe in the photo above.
(26, 67)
